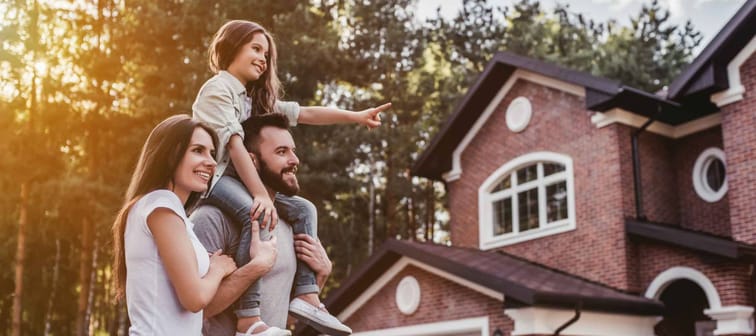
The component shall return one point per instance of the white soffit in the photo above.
(621, 116)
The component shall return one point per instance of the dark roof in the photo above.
(693, 240)
(601, 94)
(707, 73)
(520, 281)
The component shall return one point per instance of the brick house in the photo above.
(581, 206)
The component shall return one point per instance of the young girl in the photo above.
(160, 266)
(243, 57)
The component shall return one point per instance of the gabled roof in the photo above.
(601, 94)
(520, 281)
(693, 240)
(707, 74)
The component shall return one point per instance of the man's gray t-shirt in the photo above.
(216, 231)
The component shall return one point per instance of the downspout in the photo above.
(574, 319)
(636, 166)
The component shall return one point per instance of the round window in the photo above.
(408, 295)
(710, 175)
(518, 114)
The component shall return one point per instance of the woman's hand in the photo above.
(222, 262)
(371, 117)
(262, 205)
(262, 253)
(311, 251)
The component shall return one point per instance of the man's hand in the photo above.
(262, 253)
(311, 251)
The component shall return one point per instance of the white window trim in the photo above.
(485, 213)
(469, 325)
(699, 177)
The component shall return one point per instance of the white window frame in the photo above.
(487, 240)
(700, 184)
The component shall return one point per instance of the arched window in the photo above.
(529, 197)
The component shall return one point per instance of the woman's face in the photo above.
(251, 60)
(196, 167)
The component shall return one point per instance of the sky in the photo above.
(708, 16)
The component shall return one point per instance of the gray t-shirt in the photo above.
(216, 231)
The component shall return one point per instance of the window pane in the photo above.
(552, 168)
(528, 209)
(715, 174)
(502, 211)
(556, 201)
(526, 174)
(506, 183)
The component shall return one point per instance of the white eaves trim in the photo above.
(469, 326)
(576, 90)
(736, 89)
(545, 321)
(400, 265)
(621, 116)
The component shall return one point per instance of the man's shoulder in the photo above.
(213, 228)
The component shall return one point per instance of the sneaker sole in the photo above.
(319, 327)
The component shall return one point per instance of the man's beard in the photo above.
(275, 180)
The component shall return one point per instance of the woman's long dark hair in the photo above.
(223, 49)
(162, 152)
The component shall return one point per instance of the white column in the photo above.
(732, 319)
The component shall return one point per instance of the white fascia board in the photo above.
(621, 116)
(736, 89)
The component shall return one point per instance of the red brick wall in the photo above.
(731, 278)
(560, 123)
(441, 300)
(695, 213)
(738, 129)
(658, 178)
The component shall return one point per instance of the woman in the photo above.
(163, 270)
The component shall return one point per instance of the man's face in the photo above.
(278, 161)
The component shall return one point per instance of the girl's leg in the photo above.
(302, 215)
(230, 195)
(306, 307)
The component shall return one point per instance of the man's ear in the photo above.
(254, 158)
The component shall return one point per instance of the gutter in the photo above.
(571, 321)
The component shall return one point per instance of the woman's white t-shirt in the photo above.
(153, 306)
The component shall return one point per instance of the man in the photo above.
(272, 148)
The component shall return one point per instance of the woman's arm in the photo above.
(320, 115)
(247, 172)
(178, 256)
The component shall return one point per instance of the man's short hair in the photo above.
(255, 124)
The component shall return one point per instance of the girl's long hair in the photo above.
(226, 45)
(161, 154)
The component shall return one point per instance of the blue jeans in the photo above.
(231, 196)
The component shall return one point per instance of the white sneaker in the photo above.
(271, 331)
(318, 318)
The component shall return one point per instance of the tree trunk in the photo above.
(51, 300)
(20, 260)
(85, 270)
(430, 211)
(371, 206)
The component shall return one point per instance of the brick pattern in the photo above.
(560, 123)
(730, 278)
(695, 213)
(441, 300)
(738, 125)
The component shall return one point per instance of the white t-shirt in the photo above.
(154, 308)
